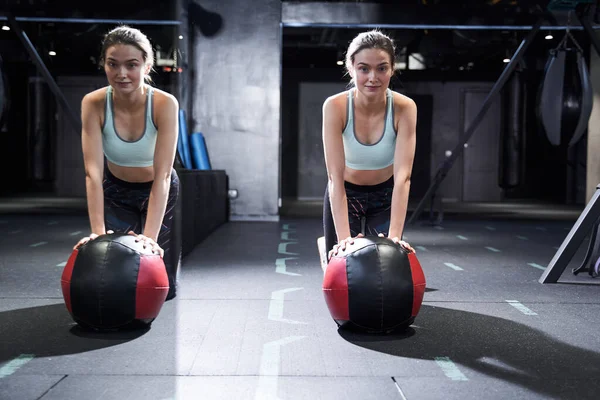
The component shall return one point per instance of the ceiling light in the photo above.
(52, 52)
(340, 63)
(549, 37)
(506, 60)
(180, 37)
(5, 28)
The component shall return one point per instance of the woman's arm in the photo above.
(164, 156)
(93, 158)
(403, 163)
(335, 162)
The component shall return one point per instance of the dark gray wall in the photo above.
(450, 116)
(70, 170)
(236, 101)
(312, 173)
(481, 156)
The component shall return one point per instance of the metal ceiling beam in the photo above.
(431, 27)
(94, 21)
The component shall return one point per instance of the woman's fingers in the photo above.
(404, 244)
(81, 243)
(159, 251)
(146, 241)
(407, 246)
(85, 240)
(350, 240)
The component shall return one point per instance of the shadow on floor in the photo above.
(497, 347)
(47, 331)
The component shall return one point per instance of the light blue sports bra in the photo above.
(361, 156)
(137, 153)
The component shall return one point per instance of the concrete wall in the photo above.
(236, 101)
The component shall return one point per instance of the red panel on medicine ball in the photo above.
(152, 287)
(419, 283)
(335, 289)
(65, 280)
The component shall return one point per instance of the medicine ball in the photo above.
(113, 282)
(374, 285)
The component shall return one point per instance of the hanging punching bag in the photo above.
(3, 96)
(566, 97)
(512, 136)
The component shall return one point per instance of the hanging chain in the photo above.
(563, 42)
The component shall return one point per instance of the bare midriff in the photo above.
(132, 174)
(368, 177)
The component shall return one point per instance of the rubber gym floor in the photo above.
(250, 320)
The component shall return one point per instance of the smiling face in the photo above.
(125, 67)
(371, 71)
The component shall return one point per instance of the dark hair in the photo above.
(373, 39)
(129, 36)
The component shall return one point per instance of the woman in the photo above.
(369, 143)
(129, 140)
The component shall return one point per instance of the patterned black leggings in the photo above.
(369, 210)
(126, 209)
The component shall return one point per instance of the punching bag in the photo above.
(512, 144)
(566, 97)
(4, 98)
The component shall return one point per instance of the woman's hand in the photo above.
(342, 245)
(402, 243)
(87, 239)
(156, 249)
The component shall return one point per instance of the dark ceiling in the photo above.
(77, 45)
(440, 50)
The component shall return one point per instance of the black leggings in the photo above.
(126, 209)
(369, 210)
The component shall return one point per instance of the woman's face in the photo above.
(125, 68)
(372, 70)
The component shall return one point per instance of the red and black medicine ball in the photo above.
(374, 286)
(112, 282)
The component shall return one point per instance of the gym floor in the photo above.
(250, 320)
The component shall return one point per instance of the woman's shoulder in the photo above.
(95, 99)
(337, 101)
(98, 95)
(400, 98)
(402, 101)
(164, 98)
(163, 95)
